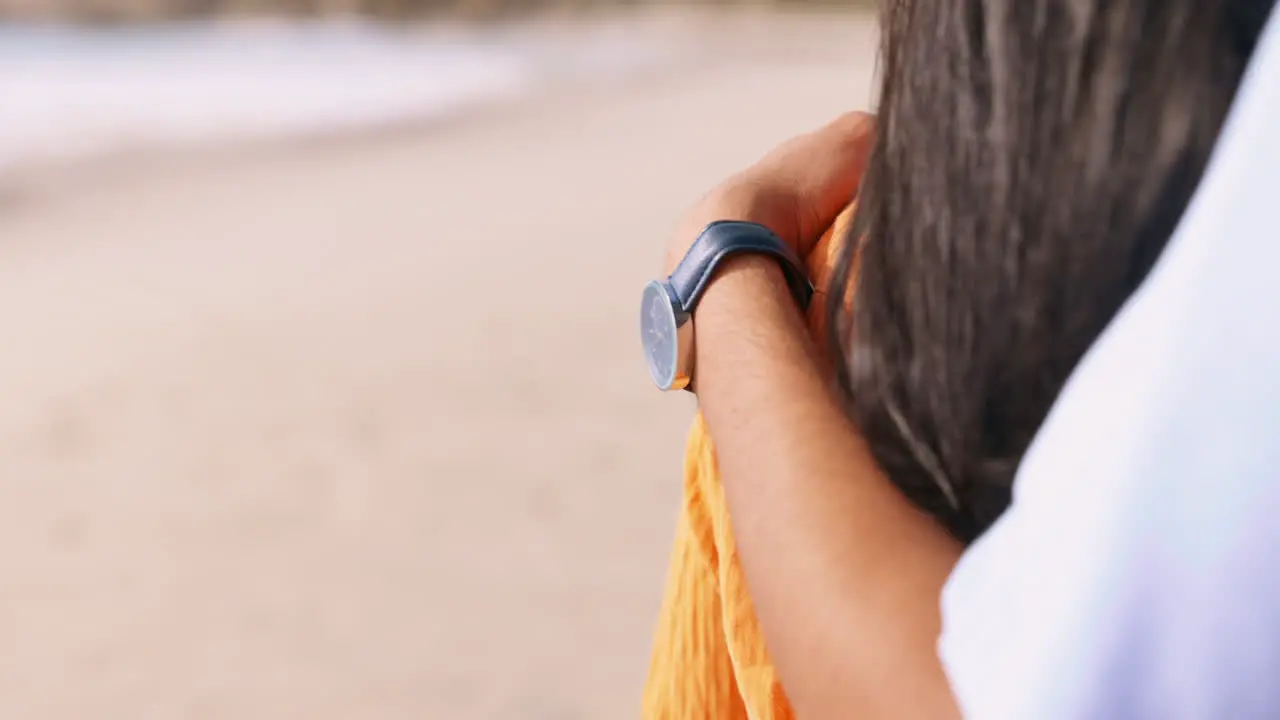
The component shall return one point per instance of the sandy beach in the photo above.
(359, 427)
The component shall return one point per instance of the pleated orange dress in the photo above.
(709, 656)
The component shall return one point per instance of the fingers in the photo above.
(820, 170)
(797, 190)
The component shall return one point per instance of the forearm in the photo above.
(844, 572)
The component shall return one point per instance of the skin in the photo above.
(846, 575)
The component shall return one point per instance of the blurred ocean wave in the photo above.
(68, 93)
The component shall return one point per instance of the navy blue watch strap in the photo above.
(724, 239)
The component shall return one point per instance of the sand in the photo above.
(359, 428)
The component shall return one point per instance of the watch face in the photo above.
(658, 330)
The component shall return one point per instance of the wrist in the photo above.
(746, 263)
(748, 311)
(744, 284)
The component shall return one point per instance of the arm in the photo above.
(845, 574)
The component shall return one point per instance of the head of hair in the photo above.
(1032, 159)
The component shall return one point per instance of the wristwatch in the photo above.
(666, 308)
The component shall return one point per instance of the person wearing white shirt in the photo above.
(1025, 174)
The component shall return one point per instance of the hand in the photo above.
(797, 190)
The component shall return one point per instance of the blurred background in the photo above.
(320, 390)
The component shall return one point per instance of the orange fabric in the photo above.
(709, 658)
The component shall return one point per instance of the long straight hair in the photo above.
(1032, 159)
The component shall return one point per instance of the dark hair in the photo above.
(1032, 159)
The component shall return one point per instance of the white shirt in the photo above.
(1137, 573)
